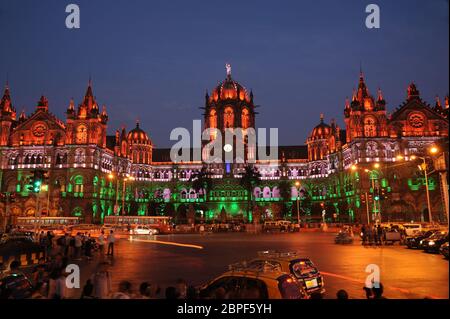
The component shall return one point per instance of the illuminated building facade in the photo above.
(93, 175)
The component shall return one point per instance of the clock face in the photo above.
(39, 129)
(416, 120)
(81, 134)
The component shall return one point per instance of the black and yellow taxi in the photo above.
(245, 281)
(303, 269)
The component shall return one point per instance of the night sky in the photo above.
(154, 60)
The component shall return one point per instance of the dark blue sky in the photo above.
(153, 60)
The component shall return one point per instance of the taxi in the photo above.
(301, 268)
(245, 281)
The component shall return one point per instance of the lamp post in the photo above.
(376, 208)
(297, 185)
(424, 167)
(116, 205)
(125, 180)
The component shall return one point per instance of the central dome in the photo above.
(321, 131)
(229, 89)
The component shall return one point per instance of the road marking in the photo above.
(406, 291)
(166, 243)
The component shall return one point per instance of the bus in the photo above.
(56, 224)
(161, 223)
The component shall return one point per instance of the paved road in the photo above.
(404, 273)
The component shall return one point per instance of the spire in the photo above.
(22, 116)
(137, 123)
(43, 104)
(438, 102)
(413, 92)
(104, 111)
(363, 92)
(347, 103)
(446, 102)
(5, 103)
(380, 95)
(89, 100)
(354, 98)
(321, 117)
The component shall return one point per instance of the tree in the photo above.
(249, 178)
(284, 188)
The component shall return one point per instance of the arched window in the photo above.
(228, 117)
(245, 119)
(370, 129)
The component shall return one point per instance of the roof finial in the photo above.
(137, 123)
(321, 117)
(228, 67)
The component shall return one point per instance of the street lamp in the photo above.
(370, 173)
(125, 180)
(424, 167)
(297, 186)
(116, 205)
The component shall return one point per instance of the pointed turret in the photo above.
(22, 116)
(5, 103)
(363, 92)
(89, 99)
(381, 103)
(42, 104)
(413, 92)
(104, 115)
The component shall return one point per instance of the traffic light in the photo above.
(36, 181)
(383, 194)
(376, 193)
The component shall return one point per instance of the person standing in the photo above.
(77, 245)
(101, 243)
(111, 240)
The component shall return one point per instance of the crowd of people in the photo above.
(376, 234)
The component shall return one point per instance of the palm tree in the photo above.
(284, 188)
(249, 179)
(202, 181)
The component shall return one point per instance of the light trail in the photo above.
(170, 243)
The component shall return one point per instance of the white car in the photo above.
(143, 230)
(412, 229)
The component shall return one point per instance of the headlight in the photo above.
(431, 243)
(421, 242)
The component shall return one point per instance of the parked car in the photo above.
(444, 250)
(433, 243)
(246, 282)
(15, 286)
(414, 241)
(411, 229)
(343, 237)
(16, 244)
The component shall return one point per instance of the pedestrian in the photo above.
(171, 293)
(101, 243)
(101, 280)
(377, 292)
(154, 291)
(368, 292)
(125, 291)
(77, 245)
(49, 242)
(181, 287)
(40, 274)
(61, 244)
(88, 247)
(111, 240)
(364, 234)
(88, 290)
(380, 234)
(144, 291)
(57, 285)
(342, 295)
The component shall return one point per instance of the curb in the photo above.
(28, 259)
